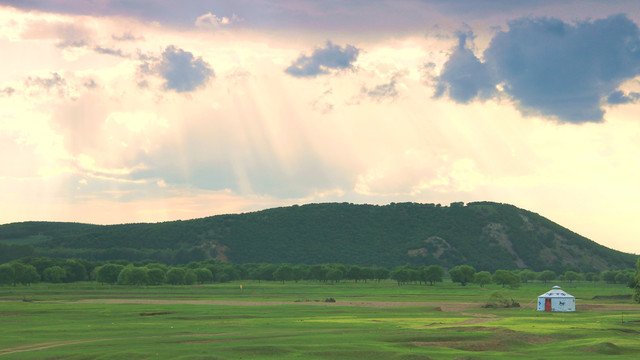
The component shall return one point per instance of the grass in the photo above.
(57, 322)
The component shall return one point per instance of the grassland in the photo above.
(292, 321)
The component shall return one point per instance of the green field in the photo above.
(292, 321)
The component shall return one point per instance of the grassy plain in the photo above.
(292, 321)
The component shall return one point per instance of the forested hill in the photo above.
(486, 235)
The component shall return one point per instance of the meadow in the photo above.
(271, 320)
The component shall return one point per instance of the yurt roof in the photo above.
(556, 292)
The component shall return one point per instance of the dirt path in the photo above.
(45, 345)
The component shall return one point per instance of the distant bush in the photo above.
(498, 300)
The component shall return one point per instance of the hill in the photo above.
(486, 235)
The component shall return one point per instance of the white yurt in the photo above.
(556, 299)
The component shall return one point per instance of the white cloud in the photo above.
(210, 21)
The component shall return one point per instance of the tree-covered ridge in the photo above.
(485, 235)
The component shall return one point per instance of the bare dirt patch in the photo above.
(477, 319)
(501, 339)
(156, 313)
(475, 345)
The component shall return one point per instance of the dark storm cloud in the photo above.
(322, 60)
(464, 75)
(619, 97)
(373, 15)
(181, 71)
(552, 68)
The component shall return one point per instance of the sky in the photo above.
(118, 111)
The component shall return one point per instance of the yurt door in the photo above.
(547, 304)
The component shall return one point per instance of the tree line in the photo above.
(30, 270)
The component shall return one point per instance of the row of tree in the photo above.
(29, 270)
(465, 274)
(636, 295)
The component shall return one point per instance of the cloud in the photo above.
(384, 91)
(181, 71)
(619, 97)
(464, 75)
(55, 81)
(322, 60)
(127, 36)
(549, 67)
(67, 34)
(108, 51)
(8, 91)
(90, 84)
(210, 21)
(322, 103)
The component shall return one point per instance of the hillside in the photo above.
(486, 235)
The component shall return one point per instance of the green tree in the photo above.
(462, 274)
(226, 273)
(354, 273)
(283, 273)
(547, 275)
(527, 275)
(367, 273)
(74, 270)
(432, 274)
(380, 273)
(124, 275)
(506, 278)
(571, 275)
(609, 276)
(591, 276)
(24, 274)
(300, 272)
(190, 277)
(6, 274)
(401, 275)
(415, 275)
(53, 274)
(175, 276)
(335, 275)
(266, 271)
(204, 275)
(131, 275)
(155, 276)
(108, 273)
(482, 278)
(623, 277)
(319, 272)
